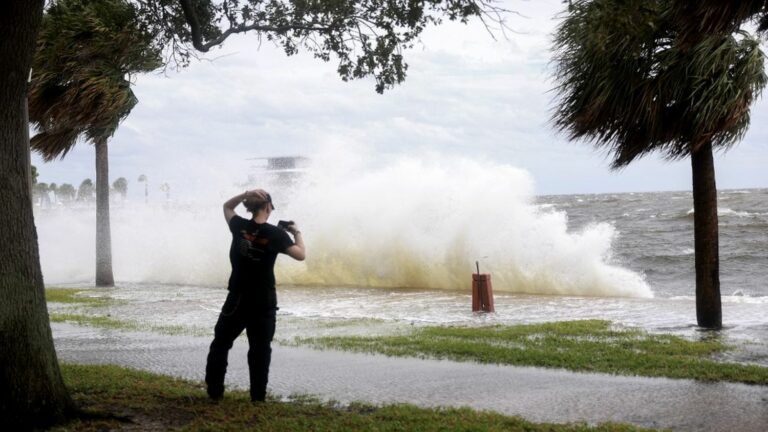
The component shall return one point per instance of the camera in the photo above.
(284, 224)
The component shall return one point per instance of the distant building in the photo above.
(278, 170)
(287, 163)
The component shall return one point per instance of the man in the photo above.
(252, 300)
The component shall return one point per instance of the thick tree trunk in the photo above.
(31, 388)
(104, 276)
(708, 308)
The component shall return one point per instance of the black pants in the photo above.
(240, 313)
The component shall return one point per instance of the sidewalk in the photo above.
(541, 395)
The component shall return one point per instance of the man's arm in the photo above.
(229, 206)
(297, 251)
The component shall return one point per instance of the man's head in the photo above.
(259, 201)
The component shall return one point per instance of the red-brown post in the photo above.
(482, 293)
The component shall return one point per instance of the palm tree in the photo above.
(121, 186)
(40, 191)
(87, 52)
(165, 187)
(55, 189)
(143, 179)
(66, 192)
(33, 174)
(85, 190)
(633, 82)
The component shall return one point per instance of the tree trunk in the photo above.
(32, 392)
(104, 276)
(708, 308)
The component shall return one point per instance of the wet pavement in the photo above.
(533, 393)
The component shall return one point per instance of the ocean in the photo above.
(655, 237)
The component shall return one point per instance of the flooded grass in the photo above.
(74, 302)
(125, 399)
(74, 296)
(116, 324)
(583, 346)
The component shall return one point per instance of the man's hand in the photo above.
(292, 228)
(297, 251)
(260, 194)
(230, 204)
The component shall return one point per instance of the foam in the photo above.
(409, 222)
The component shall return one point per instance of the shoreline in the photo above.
(318, 312)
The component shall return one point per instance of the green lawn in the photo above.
(585, 346)
(73, 296)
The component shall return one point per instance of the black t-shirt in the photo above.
(252, 255)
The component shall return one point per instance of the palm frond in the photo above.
(86, 53)
(53, 144)
(716, 16)
(627, 83)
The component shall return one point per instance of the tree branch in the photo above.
(197, 39)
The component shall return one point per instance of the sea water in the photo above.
(395, 243)
(656, 237)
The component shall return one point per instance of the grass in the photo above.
(71, 296)
(583, 346)
(145, 401)
(112, 323)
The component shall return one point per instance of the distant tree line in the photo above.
(48, 194)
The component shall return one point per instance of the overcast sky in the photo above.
(466, 95)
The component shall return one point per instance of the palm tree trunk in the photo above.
(708, 308)
(32, 391)
(104, 277)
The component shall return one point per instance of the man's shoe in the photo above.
(215, 394)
